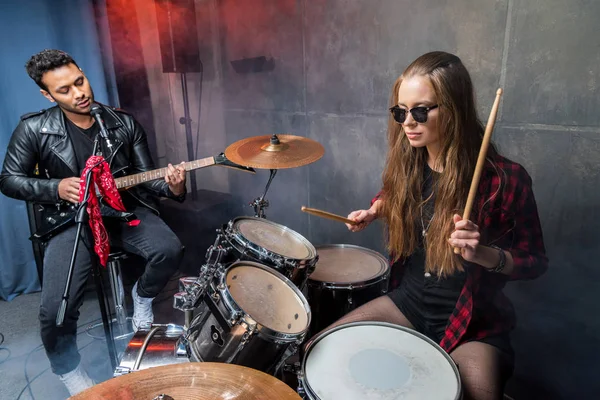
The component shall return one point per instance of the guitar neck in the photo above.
(136, 179)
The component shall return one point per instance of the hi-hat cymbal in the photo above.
(275, 151)
(201, 381)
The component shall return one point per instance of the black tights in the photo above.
(483, 368)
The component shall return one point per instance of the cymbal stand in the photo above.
(260, 203)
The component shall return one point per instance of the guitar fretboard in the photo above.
(136, 179)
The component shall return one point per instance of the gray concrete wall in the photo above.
(334, 62)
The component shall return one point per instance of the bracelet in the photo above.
(502, 261)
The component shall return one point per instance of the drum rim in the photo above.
(352, 285)
(231, 304)
(306, 385)
(246, 243)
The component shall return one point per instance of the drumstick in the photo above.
(481, 159)
(325, 214)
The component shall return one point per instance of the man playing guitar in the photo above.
(59, 141)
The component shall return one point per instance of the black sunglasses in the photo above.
(419, 114)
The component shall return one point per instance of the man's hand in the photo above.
(68, 189)
(175, 178)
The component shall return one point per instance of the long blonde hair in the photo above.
(461, 134)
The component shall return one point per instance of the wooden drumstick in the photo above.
(325, 214)
(481, 159)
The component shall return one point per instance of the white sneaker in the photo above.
(142, 310)
(76, 381)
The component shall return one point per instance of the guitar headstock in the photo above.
(222, 161)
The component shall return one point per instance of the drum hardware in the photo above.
(260, 203)
(273, 152)
(283, 365)
(294, 368)
(167, 336)
(300, 389)
(212, 302)
(170, 329)
(138, 360)
(192, 289)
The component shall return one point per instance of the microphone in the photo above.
(95, 112)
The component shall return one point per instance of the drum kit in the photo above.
(262, 291)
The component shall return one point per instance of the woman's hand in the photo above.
(363, 217)
(466, 237)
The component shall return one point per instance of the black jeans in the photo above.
(152, 239)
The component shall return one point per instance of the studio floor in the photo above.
(25, 372)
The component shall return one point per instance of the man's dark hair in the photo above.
(44, 61)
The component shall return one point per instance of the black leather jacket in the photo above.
(41, 139)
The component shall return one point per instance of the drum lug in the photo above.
(248, 324)
(235, 317)
(245, 337)
(300, 389)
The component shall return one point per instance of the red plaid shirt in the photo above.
(510, 221)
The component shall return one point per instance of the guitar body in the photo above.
(62, 216)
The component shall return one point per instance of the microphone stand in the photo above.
(81, 218)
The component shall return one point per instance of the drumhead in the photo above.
(342, 263)
(268, 299)
(275, 238)
(371, 360)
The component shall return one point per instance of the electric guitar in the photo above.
(63, 214)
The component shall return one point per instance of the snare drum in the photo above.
(377, 361)
(345, 278)
(160, 345)
(263, 241)
(253, 318)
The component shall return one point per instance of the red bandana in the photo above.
(104, 183)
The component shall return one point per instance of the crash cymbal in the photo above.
(275, 151)
(199, 381)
